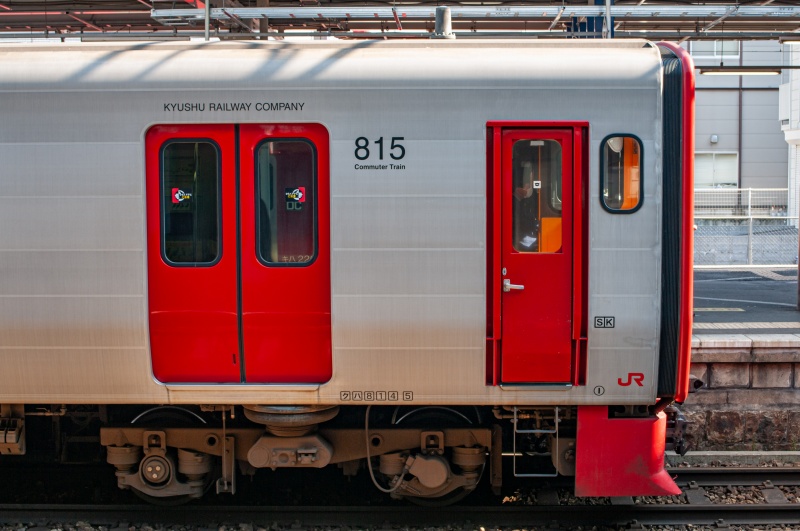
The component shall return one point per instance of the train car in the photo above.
(426, 261)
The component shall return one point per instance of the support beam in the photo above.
(198, 4)
(397, 20)
(253, 26)
(544, 14)
(262, 23)
(555, 20)
(656, 20)
(85, 22)
(730, 12)
(207, 12)
(238, 21)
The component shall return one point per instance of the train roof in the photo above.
(431, 64)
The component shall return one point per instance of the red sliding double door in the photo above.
(238, 253)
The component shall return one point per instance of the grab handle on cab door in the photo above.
(508, 286)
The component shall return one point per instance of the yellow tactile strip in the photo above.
(742, 326)
(772, 275)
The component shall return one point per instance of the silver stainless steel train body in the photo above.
(408, 246)
(425, 153)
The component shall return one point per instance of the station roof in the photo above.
(249, 19)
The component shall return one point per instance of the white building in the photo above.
(789, 114)
(739, 142)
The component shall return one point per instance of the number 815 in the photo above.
(362, 148)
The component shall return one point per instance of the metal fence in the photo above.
(747, 226)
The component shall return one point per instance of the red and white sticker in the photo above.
(179, 196)
(298, 194)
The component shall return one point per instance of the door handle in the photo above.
(508, 286)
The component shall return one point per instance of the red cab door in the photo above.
(536, 249)
(238, 244)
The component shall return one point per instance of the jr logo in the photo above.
(632, 377)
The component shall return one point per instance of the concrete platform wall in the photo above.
(751, 397)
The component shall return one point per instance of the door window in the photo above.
(286, 208)
(190, 202)
(536, 208)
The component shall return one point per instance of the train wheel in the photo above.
(173, 416)
(440, 417)
(443, 501)
(163, 467)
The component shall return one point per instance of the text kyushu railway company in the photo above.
(234, 106)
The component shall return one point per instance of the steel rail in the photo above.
(482, 511)
(740, 476)
(649, 514)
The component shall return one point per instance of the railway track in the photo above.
(550, 506)
(460, 517)
(743, 476)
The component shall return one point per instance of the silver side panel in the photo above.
(408, 246)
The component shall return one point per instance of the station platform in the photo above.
(746, 351)
(747, 302)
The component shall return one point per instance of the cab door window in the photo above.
(536, 208)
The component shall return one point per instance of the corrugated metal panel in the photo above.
(764, 155)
